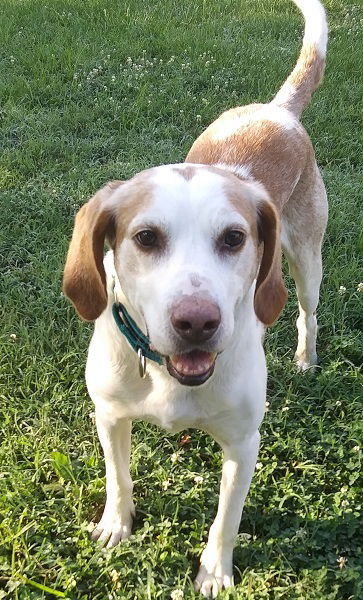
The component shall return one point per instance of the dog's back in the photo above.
(266, 142)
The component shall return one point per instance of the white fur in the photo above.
(285, 93)
(316, 27)
(243, 171)
(230, 405)
(305, 267)
(193, 214)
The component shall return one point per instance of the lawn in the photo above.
(92, 91)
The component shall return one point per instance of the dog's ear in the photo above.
(270, 294)
(84, 278)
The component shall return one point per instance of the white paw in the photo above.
(114, 526)
(303, 363)
(215, 574)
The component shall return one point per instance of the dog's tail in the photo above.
(296, 92)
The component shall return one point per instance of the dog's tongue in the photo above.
(196, 362)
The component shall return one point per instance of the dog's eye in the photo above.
(233, 238)
(147, 238)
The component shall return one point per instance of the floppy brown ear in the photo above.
(270, 294)
(84, 278)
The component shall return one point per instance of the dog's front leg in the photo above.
(239, 460)
(116, 522)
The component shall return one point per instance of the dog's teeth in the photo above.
(190, 366)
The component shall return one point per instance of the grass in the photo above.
(92, 91)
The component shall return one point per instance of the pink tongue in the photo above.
(196, 362)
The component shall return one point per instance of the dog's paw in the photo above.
(114, 527)
(304, 363)
(215, 574)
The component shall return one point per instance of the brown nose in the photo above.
(195, 319)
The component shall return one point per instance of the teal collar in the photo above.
(137, 340)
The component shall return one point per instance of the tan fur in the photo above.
(187, 172)
(270, 294)
(264, 222)
(305, 78)
(275, 150)
(243, 199)
(136, 200)
(276, 156)
(84, 279)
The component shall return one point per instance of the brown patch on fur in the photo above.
(186, 172)
(305, 78)
(244, 196)
(275, 155)
(138, 197)
(259, 212)
(309, 69)
(113, 185)
(84, 278)
(270, 294)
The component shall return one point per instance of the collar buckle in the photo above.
(142, 363)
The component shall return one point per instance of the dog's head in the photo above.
(189, 241)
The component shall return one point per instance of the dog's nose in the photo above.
(195, 319)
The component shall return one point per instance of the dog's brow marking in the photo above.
(186, 171)
(139, 197)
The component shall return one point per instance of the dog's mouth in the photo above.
(192, 368)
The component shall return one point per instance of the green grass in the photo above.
(92, 91)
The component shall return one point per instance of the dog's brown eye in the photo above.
(233, 238)
(147, 238)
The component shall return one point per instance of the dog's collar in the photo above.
(136, 338)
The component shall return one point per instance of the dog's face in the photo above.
(187, 242)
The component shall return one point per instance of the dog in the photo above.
(192, 279)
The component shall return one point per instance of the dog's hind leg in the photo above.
(116, 522)
(304, 221)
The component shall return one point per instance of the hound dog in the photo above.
(192, 278)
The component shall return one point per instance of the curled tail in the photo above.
(295, 93)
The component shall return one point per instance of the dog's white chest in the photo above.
(172, 414)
